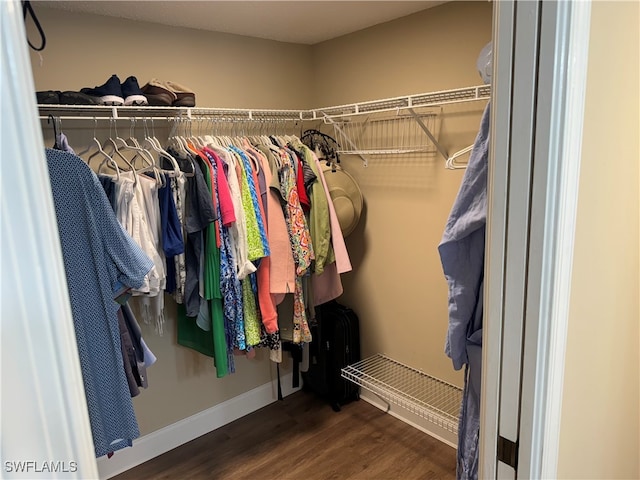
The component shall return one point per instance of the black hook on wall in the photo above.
(27, 9)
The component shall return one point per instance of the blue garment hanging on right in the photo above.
(462, 255)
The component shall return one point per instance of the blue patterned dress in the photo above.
(99, 259)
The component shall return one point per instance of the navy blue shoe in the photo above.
(132, 93)
(109, 94)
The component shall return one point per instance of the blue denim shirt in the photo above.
(462, 255)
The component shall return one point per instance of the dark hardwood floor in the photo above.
(302, 438)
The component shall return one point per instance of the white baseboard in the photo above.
(156, 443)
(412, 419)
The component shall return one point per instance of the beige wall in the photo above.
(435, 49)
(224, 70)
(599, 432)
(397, 286)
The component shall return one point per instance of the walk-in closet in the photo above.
(399, 96)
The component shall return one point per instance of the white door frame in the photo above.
(45, 421)
(539, 80)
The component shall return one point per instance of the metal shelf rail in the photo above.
(105, 112)
(421, 394)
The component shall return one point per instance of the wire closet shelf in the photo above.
(432, 99)
(423, 395)
(365, 128)
(386, 134)
(399, 125)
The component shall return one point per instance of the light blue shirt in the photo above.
(462, 256)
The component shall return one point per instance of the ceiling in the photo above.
(314, 21)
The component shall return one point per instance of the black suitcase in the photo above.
(335, 344)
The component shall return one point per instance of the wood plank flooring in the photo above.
(302, 438)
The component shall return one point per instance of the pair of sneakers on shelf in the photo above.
(166, 93)
(113, 92)
(68, 97)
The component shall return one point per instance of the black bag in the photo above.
(335, 344)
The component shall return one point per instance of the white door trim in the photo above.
(549, 228)
(567, 198)
(45, 423)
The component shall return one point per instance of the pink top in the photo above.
(283, 269)
(305, 203)
(227, 213)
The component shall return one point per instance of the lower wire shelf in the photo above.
(421, 394)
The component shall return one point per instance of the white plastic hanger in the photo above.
(162, 153)
(95, 142)
(99, 151)
(107, 159)
(179, 141)
(178, 146)
(143, 154)
(450, 163)
(114, 151)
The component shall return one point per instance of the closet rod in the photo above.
(442, 97)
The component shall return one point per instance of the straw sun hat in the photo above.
(346, 196)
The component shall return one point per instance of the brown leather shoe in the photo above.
(158, 95)
(185, 97)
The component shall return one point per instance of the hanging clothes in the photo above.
(300, 239)
(176, 267)
(172, 241)
(462, 255)
(204, 331)
(199, 215)
(230, 230)
(136, 354)
(254, 235)
(257, 195)
(237, 228)
(253, 314)
(283, 270)
(227, 318)
(145, 228)
(267, 304)
(62, 143)
(134, 350)
(328, 285)
(200, 212)
(109, 187)
(319, 221)
(99, 258)
(131, 212)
